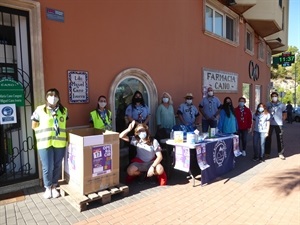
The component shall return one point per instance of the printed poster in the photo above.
(182, 158)
(201, 156)
(101, 160)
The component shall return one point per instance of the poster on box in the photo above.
(72, 161)
(101, 160)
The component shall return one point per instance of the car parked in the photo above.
(296, 114)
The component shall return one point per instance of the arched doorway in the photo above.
(122, 89)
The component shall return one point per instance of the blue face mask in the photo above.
(260, 109)
(143, 135)
(241, 104)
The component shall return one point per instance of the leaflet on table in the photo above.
(201, 156)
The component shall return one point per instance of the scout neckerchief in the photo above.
(55, 120)
(242, 109)
(102, 115)
(140, 113)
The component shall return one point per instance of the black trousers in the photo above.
(279, 137)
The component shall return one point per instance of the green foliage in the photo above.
(289, 72)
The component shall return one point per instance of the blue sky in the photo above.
(294, 24)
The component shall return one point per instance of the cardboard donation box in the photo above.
(92, 160)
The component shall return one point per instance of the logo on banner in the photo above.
(219, 154)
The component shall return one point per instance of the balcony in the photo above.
(265, 17)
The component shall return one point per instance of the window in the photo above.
(249, 40)
(261, 50)
(257, 95)
(221, 21)
(269, 57)
(247, 94)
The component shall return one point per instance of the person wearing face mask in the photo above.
(244, 119)
(261, 127)
(148, 157)
(277, 111)
(227, 122)
(138, 110)
(49, 123)
(100, 118)
(187, 112)
(209, 107)
(165, 117)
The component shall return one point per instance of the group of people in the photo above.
(49, 124)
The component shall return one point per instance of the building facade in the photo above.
(88, 48)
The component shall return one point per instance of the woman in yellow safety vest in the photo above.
(49, 123)
(100, 118)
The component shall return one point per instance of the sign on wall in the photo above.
(8, 114)
(11, 92)
(220, 81)
(78, 86)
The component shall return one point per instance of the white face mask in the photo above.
(260, 109)
(143, 135)
(189, 101)
(52, 100)
(165, 100)
(102, 104)
(241, 104)
(274, 99)
(210, 93)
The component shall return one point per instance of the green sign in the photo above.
(286, 59)
(11, 92)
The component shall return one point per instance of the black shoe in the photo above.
(255, 159)
(261, 159)
(142, 177)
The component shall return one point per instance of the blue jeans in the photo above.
(208, 123)
(259, 139)
(51, 159)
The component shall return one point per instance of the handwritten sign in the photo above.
(220, 81)
(78, 87)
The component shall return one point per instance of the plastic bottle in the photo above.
(172, 134)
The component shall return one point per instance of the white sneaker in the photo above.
(281, 156)
(55, 193)
(244, 153)
(47, 193)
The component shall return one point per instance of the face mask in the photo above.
(138, 99)
(143, 135)
(52, 100)
(260, 109)
(165, 100)
(210, 93)
(102, 104)
(241, 104)
(189, 101)
(274, 99)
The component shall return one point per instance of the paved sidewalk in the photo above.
(253, 193)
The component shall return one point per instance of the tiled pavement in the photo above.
(253, 193)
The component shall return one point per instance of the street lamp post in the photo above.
(295, 98)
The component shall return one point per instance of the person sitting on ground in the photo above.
(148, 158)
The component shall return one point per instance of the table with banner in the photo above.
(211, 158)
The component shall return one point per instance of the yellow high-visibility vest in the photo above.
(98, 122)
(45, 132)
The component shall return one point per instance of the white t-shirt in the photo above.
(145, 152)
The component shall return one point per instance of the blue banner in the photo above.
(219, 157)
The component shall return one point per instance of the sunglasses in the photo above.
(189, 98)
